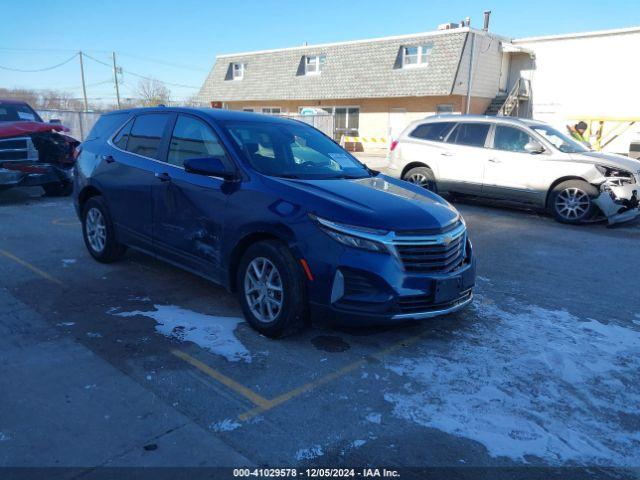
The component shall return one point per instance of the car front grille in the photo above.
(14, 149)
(436, 254)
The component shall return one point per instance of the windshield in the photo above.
(293, 151)
(559, 140)
(10, 112)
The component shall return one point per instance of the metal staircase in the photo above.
(511, 103)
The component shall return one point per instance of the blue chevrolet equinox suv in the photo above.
(272, 209)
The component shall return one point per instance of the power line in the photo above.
(39, 69)
(141, 76)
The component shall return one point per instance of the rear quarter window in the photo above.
(435, 132)
(107, 125)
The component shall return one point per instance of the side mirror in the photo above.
(534, 147)
(56, 121)
(210, 166)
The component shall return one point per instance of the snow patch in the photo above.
(66, 324)
(210, 332)
(4, 437)
(374, 418)
(309, 453)
(225, 425)
(68, 261)
(94, 335)
(531, 381)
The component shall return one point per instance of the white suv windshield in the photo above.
(559, 140)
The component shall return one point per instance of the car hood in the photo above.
(609, 159)
(376, 202)
(15, 129)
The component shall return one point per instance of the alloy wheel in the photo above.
(572, 203)
(263, 289)
(421, 180)
(96, 230)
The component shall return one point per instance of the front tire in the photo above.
(98, 232)
(423, 177)
(62, 189)
(271, 289)
(572, 201)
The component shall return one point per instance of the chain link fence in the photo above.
(78, 123)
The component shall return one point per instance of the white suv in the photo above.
(515, 160)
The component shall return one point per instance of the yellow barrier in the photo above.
(378, 141)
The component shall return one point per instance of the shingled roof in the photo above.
(357, 69)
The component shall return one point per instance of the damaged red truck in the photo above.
(34, 153)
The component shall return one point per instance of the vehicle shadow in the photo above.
(23, 196)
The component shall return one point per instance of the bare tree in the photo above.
(152, 92)
(24, 94)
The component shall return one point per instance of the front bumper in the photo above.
(619, 202)
(14, 174)
(375, 288)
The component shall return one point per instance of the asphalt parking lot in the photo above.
(141, 364)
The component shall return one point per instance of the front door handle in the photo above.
(108, 158)
(446, 154)
(495, 160)
(163, 177)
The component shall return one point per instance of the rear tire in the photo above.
(423, 177)
(62, 189)
(572, 202)
(98, 232)
(271, 289)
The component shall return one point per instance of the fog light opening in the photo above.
(337, 291)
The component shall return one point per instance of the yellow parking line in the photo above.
(247, 393)
(285, 397)
(33, 268)
(263, 404)
(65, 222)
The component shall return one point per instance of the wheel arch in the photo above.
(85, 194)
(411, 165)
(241, 247)
(558, 182)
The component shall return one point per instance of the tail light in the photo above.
(76, 152)
(393, 145)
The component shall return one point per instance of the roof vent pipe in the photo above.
(487, 14)
(467, 21)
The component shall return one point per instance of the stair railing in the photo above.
(512, 101)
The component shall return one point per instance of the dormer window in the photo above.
(238, 71)
(416, 56)
(313, 65)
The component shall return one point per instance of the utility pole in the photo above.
(115, 79)
(470, 73)
(84, 86)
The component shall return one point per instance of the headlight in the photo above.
(352, 236)
(614, 172)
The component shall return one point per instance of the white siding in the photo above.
(487, 62)
(587, 75)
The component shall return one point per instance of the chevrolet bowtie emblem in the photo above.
(447, 239)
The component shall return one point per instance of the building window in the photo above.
(416, 56)
(247, 109)
(444, 108)
(314, 65)
(272, 110)
(238, 71)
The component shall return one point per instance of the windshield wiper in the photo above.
(288, 175)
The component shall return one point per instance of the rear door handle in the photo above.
(494, 160)
(446, 154)
(163, 177)
(108, 158)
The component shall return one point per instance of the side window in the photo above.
(146, 134)
(469, 134)
(510, 139)
(121, 139)
(193, 138)
(435, 132)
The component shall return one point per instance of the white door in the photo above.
(511, 171)
(463, 158)
(397, 122)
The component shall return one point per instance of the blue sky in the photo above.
(190, 33)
